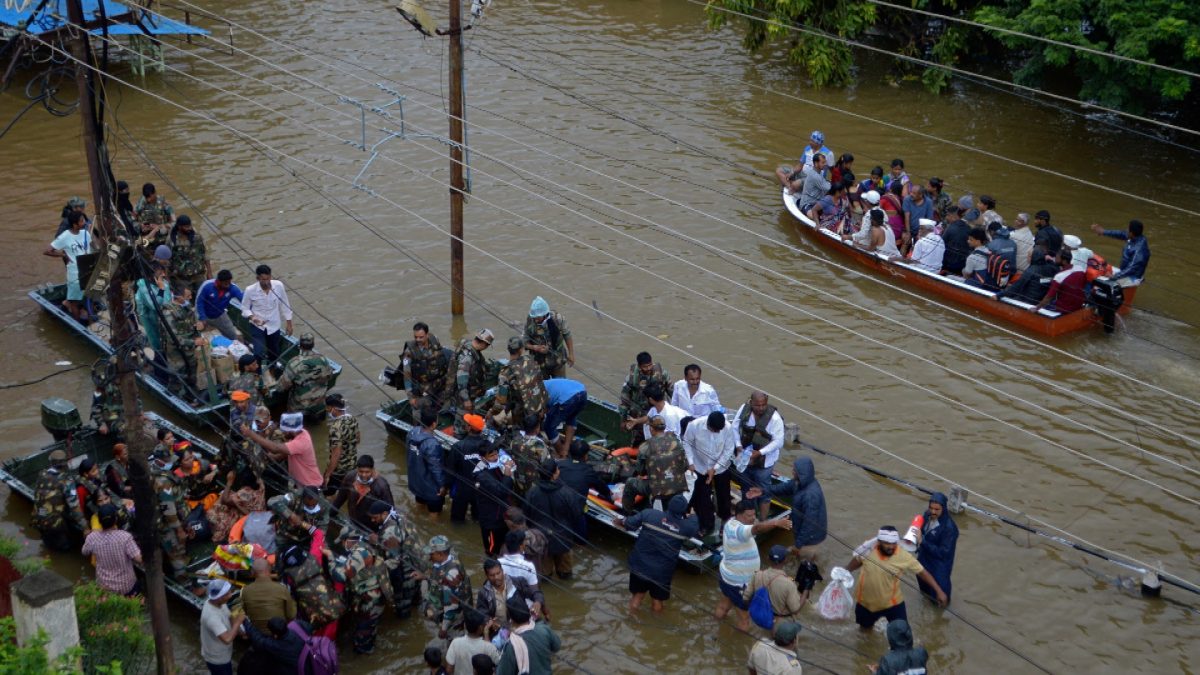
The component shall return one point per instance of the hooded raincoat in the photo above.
(903, 657)
(936, 553)
(426, 475)
(660, 539)
(809, 521)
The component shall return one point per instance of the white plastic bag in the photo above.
(836, 603)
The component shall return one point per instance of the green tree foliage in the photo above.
(1165, 32)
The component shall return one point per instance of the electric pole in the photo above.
(456, 158)
(145, 500)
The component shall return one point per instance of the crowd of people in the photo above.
(342, 551)
(918, 223)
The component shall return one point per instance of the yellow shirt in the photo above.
(879, 578)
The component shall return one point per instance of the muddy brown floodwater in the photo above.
(595, 127)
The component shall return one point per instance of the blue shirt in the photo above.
(210, 304)
(1134, 258)
(560, 389)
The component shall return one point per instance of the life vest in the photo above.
(426, 369)
(1098, 267)
(754, 436)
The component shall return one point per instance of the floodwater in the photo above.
(609, 140)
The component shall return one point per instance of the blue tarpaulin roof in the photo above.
(53, 17)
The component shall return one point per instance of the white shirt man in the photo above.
(707, 450)
(929, 250)
(672, 415)
(696, 397)
(517, 566)
(770, 451)
(1023, 238)
(267, 308)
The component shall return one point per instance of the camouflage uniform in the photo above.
(399, 543)
(471, 369)
(447, 594)
(240, 452)
(180, 321)
(664, 464)
(172, 512)
(158, 215)
(56, 511)
(306, 380)
(343, 431)
(187, 262)
(251, 383)
(425, 370)
(528, 453)
(633, 401)
(554, 362)
(107, 408)
(288, 534)
(521, 391)
(319, 604)
(370, 591)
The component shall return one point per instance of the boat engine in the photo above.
(60, 417)
(393, 377)
(1107, 297)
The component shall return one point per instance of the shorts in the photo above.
(74, 290)
(639, 584)
(867, 619)
(734, 593)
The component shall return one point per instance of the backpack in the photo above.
(996, 274)
(319, 656)
(761, 611)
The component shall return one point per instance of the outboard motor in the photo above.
(1107, 297)
(60, 417)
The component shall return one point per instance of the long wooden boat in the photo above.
(600, 425)
(21, 474)
(1045, 321)
(215, 410)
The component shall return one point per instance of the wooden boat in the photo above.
(600, 425)
(215, 410)
(21, 474)
(1045, 321)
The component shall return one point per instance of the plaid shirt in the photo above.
(115, 551)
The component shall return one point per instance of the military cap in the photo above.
(308, 339)
(485, 336)
(58, 457)
(515, 344)
(76, 203)
(438, 544)
(658, 422)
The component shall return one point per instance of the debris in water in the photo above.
(62, 363)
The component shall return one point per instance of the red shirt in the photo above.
(1067, 290)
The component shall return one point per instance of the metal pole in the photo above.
(145, 500)
(456, 159)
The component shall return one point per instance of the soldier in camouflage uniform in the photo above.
(241, 453)
(269, 429)
(395, 536)
(306, 380)
(56, 512)
(529, 451)
(344, 437)
(471, 369)
(189, 257)
(663, 462)
(180, 333)
(634, 403)
(425, 369)
(294, 526)
(367, 580)
(520, 393)
(447, 588)
(248, 379)
(107, 409)
(154, 217)
(172, 513)
(548, 338)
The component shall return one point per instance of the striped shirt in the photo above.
(115, 552)
(739, 554)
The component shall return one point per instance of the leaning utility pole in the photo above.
(456, 158)
(144, 498)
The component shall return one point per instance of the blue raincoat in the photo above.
(936, 553)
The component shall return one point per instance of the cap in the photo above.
(238, 396)
(539, 307)
(246, 359)
(1002, 231)
(971, 215)
(871, 197)
(1080, 256)
(335, 400)
(485, 336)
(163, 252)
(378, 507)
(786, 632)
(926, 223)
(778, 553)
(474, 422)
(87, 465)
(1072, 241)
(515, 344)
(438, 544)
(308, 339)
(657, 422)
(218, 589)
(291, 422)
(817, 137)
(1043, 214)
(966, 202)
(76, 203)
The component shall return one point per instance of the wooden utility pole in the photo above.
(456, 158)
(138, 443)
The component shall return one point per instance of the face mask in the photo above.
(312, 509)
(259, 426)
(365, 482)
